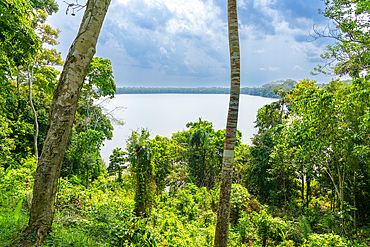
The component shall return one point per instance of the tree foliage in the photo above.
(18, 40)
(348, 26)
(321, 139)
(91, 118)
(116, 161)
(142, 169)
(49, 6)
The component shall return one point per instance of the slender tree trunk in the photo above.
(142, 183)
(87, 176)
(30, 78)
(17, 79)
(204, 181)
(119, 174)
(354, 202)
(308, 191)
(302, 189)
(333, 198)
(223, 212)
(61, 116)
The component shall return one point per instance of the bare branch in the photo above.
(74, 6)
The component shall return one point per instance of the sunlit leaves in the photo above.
(100, 76)
(6, 143)
(18, 40)
(48, 6)
(349, 27)
(142, 170)
(327, 134)
(116, 161)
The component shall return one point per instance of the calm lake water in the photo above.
(164, 114)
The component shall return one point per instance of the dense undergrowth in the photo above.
(104, 215)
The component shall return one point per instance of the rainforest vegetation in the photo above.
(304, 180)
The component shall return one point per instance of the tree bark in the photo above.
(223, 212)
(61, 117)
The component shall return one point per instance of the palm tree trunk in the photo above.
(223, 212)
(61, 117)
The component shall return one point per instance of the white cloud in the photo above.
(282, 26)
(124, 2)
(297, 67)
(161, 32)
(262, 3)
(264, 7)
(279, 22)
(260, 51)
(308, 51)
(274, 68)
(262, 69)
(248, 31)
(193, 16)
(241, 4)
(163, 50)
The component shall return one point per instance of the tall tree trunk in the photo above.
(354, 202)
(30, 78)
(61, 116)
(87, 176)
(141, 196)
(308, 191)
(17, 79)
(302, 189)
(223, 212)
(119, 174)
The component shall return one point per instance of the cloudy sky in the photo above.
(183, 43)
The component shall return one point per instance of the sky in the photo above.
(184, 43)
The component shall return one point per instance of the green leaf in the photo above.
(17, 211)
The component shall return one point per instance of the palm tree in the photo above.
(223, 212)
(61, 117)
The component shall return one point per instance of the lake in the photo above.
(164, 114)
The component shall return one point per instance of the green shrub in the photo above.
(286, 243)
(304, 226)
(244, 228)
(238, 202)
(9, 226)
(269, 228)
(324, 240)
(329, 240)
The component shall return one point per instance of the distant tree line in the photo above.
(266, 90)
(153, 90)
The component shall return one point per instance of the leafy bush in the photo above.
(269, 228)
(15, 188)
(245, 229)
(325, 240)
(304, 226)
(104, 217)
